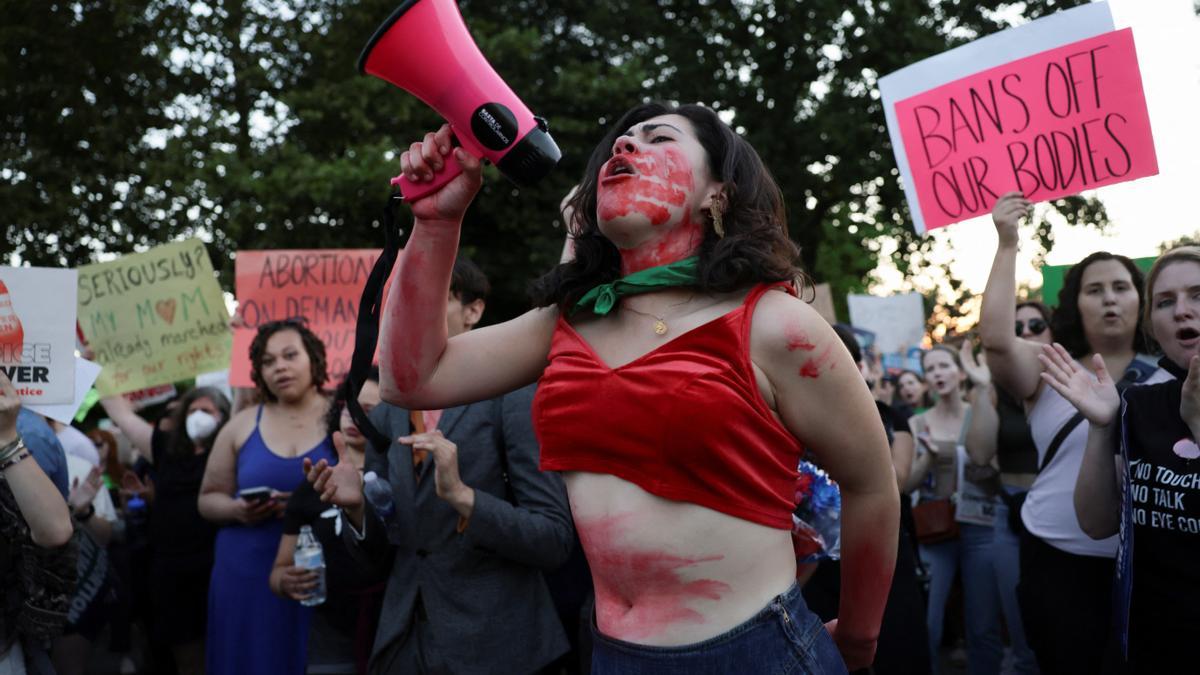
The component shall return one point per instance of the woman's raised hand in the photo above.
(10, 407)
(1007, 213)
(974, 366)
(423, 159)
(1097, 398)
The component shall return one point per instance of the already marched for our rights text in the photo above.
(114, 350)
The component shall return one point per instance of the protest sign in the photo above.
(897, 321)
(1020, 109)
(1052, 279)
(323, 286)
(37, 333)
(1053, 124)
(155, 317)
(86, 373)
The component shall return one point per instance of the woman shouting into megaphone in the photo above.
(680, 381)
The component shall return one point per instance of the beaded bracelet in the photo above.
(23, 455)
(10, 450)
(10, 447)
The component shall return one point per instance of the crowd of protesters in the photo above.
(169, 539)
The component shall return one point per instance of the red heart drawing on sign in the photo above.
(166, 309)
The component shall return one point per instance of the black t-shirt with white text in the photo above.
(1164, 468)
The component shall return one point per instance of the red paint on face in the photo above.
(641, 593)
(812, 367)
(658, 190)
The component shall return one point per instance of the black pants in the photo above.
(1066, 606)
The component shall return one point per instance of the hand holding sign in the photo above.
(1007, 213)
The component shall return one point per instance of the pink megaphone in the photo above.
(425, 49)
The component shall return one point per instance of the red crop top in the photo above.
(685, 421)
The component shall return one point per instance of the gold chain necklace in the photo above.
(660, 322)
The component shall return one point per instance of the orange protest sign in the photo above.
(324, 286)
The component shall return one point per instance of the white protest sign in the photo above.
(86, 373)
(37, 332)
(897, 321)
(990, 51)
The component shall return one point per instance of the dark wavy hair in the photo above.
(755, 248)
(178, 442)
(1067, 323)
(312, 345)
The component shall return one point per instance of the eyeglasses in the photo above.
(1036, 327)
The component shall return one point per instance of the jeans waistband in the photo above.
(769, 613)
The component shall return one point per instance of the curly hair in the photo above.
(312, 345)
(755, 248)
(1067, 322)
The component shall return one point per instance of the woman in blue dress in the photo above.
(250, 630)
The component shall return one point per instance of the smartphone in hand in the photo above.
(255, 494)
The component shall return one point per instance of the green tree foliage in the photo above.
(130, 123)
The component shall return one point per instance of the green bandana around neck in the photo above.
(604, 297)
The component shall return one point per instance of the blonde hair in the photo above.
(1177, 254)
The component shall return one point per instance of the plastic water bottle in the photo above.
(310, 556)
(379, 495)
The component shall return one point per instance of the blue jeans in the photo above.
(784, 638)
(973, 551)
(1006, 558)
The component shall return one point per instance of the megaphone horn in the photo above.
(425, 49)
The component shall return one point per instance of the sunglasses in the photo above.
(1036, 327)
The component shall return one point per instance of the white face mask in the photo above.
(200, 425)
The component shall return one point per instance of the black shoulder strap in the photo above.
(1059, 438)
(366, 335)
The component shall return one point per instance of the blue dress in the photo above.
(251, 630)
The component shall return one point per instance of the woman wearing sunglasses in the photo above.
(1064, 589)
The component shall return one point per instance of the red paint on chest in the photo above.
(641, 592)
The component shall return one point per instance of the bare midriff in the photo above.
(671, 573)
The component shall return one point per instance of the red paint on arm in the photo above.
(641, 592)
(812, 367)
(797, 338)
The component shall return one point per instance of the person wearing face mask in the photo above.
(343, 627)
(1152, 432)
(255, 464)
(181, 541)
(965, 546)
(1064, 590)
(680, 380)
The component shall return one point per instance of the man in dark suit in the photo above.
(476, 523)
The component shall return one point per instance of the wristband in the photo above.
(86, 514)
(10, 449)
(22, 455)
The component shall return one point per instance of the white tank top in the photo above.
(1049, 509)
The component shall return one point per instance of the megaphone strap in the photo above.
(366, 332)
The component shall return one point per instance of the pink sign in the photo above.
(322, 286)
(1051, 125)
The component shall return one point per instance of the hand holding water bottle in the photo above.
(309, 559)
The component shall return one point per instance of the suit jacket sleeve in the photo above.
(537, 530)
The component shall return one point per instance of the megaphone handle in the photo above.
(413, 191)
